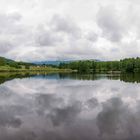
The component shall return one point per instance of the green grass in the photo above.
(47, 69)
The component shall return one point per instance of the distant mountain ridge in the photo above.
(56, 63)
(6, 61)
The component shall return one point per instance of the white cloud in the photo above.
(66, 25)
(69, 29)
(109, 22)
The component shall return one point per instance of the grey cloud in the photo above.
(5, 46)
(15, 110)
(47, 102)
(6, 19)
(5, 93)
(109, 22)
(91, 36)
(66, 114)
(108, 120)
(8, 29)
(9, 23)
(8, 120)
(66, 25)
(12, 33)
(22, 135)
(92, 103)
(118, 120)
(47, 38)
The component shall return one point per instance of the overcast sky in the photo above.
(36, 30)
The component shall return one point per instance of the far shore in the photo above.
(33, 69)
(50, 70)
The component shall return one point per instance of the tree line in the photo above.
(90, 66)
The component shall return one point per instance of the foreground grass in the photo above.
(32, 69)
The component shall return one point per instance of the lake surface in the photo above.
(69, 107)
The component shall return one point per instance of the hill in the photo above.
(11, 63)
(8, 65)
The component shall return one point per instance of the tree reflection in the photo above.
(126, 77)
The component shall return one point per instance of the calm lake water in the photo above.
(69, 107)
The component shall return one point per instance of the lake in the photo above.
(69, 107)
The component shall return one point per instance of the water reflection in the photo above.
(127, 77)
(60, 107)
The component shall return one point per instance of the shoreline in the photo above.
(36, 70)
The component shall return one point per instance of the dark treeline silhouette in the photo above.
(125, 77)
(90, 66)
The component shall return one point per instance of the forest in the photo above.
(131, 65)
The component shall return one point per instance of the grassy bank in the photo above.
(33, 69)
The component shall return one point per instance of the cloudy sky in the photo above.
(36, 30)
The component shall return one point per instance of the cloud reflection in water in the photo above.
(40, 109)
